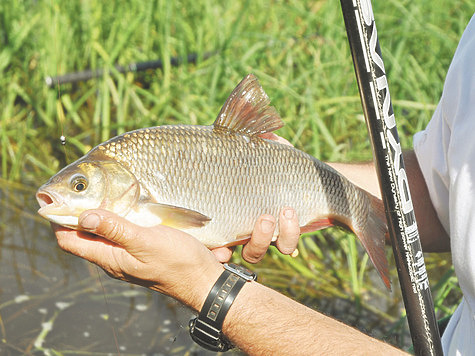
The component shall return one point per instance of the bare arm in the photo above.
(433, 236)
(261, 321)
(264, 322)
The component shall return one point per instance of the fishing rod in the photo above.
(376, 101)
(132, 67)
(88, 74)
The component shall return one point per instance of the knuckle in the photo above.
(290, 231)
(252, 254)
(113, 230)
(223, 254)
(288, 241)
(252, 259)
(260, 246)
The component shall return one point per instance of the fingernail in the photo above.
(90, 221)
(267, 226)
(289, 213)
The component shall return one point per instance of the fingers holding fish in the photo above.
(223, 254)
(153, 257)
(72, 241)
(289, 231)
(261, 238)
(108, 226)
(78, 243)
(123, 243)
(262, 235)
(99, 250)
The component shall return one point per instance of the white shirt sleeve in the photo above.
(446, 155)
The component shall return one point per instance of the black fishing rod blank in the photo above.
(379, 115)
(133, 67)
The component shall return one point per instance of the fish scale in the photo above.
(215, 181)
(205, 170)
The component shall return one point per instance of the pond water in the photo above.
(55, 303)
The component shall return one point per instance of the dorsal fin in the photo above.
(247, 110)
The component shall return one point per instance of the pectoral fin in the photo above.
(174, 216)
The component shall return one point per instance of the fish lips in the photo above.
(53, 208)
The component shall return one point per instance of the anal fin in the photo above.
(240, 240)
(318, 224)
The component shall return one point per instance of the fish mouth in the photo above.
(53, 208)
(48, 200)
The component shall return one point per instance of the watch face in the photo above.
(210, 339)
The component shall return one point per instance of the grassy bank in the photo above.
(299, 51)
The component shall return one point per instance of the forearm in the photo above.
(361, 174)
(432, 234)
(264, 322)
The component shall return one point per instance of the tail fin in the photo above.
(373, 236)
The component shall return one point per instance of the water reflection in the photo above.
(52, 302)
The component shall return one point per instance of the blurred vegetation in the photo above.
(299, 51)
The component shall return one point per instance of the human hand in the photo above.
(255, 249)
(160, 258)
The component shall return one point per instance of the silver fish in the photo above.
(213, 182)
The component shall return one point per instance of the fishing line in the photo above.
(61, 121)
(116, 340)
(61, 118)
(59, 107)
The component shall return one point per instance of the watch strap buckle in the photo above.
(208, 337)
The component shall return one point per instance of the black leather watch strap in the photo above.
(206, 329)
(220, 298)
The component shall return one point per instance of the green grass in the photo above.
(299, 51)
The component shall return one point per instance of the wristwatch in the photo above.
(206, 329)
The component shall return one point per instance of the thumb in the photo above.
(109, 225)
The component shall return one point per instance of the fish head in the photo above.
(94, 181)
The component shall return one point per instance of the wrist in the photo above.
(206, 329)
(207, 284)
(193, 289)
(201, 286)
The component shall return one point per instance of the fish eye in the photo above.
(78, 183)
